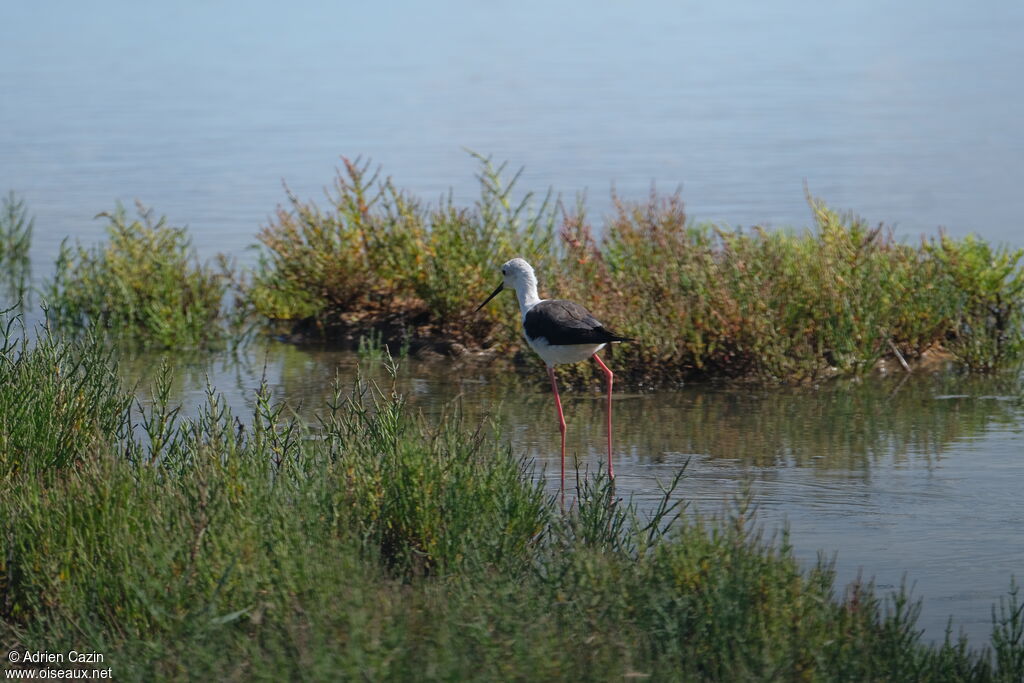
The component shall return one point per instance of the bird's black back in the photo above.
(564, 322)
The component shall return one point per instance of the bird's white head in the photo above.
(517, 275)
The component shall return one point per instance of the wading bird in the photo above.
(560, 332)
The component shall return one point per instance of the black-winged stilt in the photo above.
(560, 332)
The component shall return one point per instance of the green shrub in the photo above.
(785, 306)
(459, 245)
(702, 301)
(986, 289)
(144, 285)
(379, 251)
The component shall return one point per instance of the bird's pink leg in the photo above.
(561, 423)
(608, 373)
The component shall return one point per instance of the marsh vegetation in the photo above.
(704, 301)
(375, 543)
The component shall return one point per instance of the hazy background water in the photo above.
(909, 113)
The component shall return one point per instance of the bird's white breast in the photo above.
(558, 354)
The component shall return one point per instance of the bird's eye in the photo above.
(504, 272)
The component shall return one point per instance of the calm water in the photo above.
(909, 113)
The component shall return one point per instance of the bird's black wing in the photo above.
(563, 323)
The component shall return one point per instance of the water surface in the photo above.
(909, 113)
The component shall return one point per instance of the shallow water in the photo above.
(904, 477)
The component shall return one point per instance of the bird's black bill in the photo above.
(493, 294)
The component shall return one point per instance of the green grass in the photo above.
(704, 301)
(144, 285)
(15, 241)
(15, 229)
(987, 285)
(58, 402)
(372, 348)
(376, 544)
(376, 251)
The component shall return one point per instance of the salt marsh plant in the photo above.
(144, 285)
(373, 543)
(377, 251)
(775, 305)
(987, 287)
(15, 229)
(15, 240)
(703, 301)
(59, 401)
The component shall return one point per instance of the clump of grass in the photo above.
(430, 498)
(986, 285)
(59, 401)
(378, 252)
(375, 544)
(703, 301)
(15, 240)
(452, 257)
(371, 346)
(15, 229)
(143, 285)
(774, 305)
